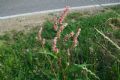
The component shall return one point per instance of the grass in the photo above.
(23, 58)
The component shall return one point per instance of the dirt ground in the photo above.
(19, 23)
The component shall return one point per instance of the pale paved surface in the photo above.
(13, 7)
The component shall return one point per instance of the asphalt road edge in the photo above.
(57, 10)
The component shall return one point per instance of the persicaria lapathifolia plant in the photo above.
(65, 66)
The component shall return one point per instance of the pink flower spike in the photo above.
(61, 28)
(65, 12)
(55, 41)
(61, 19)
(72, 34)
(66, 9)
(75, 41)
(78, 32)
(54, 48)
(55, 27)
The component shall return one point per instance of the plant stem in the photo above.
(52, 68)
(108, 39)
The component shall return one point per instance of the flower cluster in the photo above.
(75, 41)
(39, 34)
(62, 27)
(68, 36)
(54, 48)
(42, 40)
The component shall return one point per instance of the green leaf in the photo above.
(1, 43)
(29, 57)
(49, 53)
(75, 67)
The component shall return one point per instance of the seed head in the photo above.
(39, 34)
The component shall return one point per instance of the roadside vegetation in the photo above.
(74, 46)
